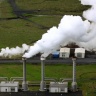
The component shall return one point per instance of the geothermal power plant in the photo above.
(71, 29)
(55, 88)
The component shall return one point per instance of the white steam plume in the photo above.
(70, 29)
(88, 2)
(9, 52)
(90, 15)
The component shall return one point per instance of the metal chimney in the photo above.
(74, 83)
(43, 83)
(24, 83)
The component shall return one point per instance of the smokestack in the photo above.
(74, 83)
(24, 83)
(43, 83)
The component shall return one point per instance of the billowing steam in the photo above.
(91, 16)
(71, 29)
(91, 13)
(9, 52)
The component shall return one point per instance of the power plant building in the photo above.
(64, 52)
(9, 86)
(57, 87)
(80, 52)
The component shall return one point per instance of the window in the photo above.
(63, 54)
(79, 55)
(12, 89)
(6, 90)
(62, 89)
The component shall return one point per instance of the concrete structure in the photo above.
(24, 83)
(9, 86)
(80, 52)
(64, 52)
(74, 83)
(43, 83)
(58, 87)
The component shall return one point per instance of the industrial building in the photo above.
(9, 86)
(80, 52)
(57, 87)
(64, 52)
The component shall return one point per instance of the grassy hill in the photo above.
(14, 31)
(59, 7)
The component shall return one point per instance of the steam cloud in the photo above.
(90, 15)
(9, 52)
(70, 29)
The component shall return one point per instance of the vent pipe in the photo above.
(24, 83)
(43, 83)
(74, 83)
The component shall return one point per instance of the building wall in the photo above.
(64, 55)
(9, 89)
(80, 55)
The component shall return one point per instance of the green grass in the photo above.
(6, 10)
(52, 6)
(18, 31)
(85, 74)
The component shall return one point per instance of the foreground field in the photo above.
(86, 74)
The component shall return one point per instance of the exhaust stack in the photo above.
(43, 83)
(74, 83)
(24, 83)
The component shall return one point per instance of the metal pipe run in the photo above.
(74, 83)
(4, 78)
(12, 79)
(50, 79)
(43, 83)
(24, 83)
(65, 79)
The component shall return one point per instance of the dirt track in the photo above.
(20, 13)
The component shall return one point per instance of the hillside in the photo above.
(15, 30)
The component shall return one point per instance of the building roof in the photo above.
(9, 84)
(79, 50)
(65, 50)
(58, 84)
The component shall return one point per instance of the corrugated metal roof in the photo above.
(79, 50)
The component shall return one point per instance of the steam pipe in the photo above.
(74, 83)
(4, 78)
(24, 83)
(16, 78)
(65, 79)
(49, 79)
(43, 83)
